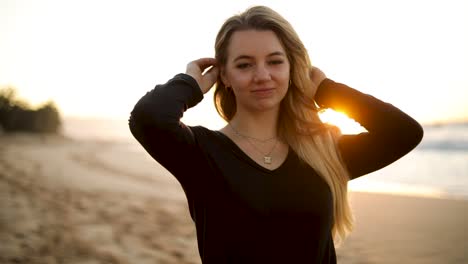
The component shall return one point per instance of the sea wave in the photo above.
(444, 145)
(448, 137)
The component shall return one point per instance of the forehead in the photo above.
(255, 43)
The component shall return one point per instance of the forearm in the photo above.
(391, 132)
(164, 105)
(372, 113)
(155, 123)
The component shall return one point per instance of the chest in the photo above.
(293, 188)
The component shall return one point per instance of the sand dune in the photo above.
(65, 201)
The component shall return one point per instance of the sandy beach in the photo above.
(69, 201)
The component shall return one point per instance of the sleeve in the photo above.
(155, 123)
(390, 135)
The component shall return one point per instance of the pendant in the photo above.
(267, 159)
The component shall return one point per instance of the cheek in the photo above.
(283, 77)
(239, 81)
(281, 72)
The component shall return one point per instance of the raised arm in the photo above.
(391, 133)
(155, 121)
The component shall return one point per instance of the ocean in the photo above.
(438, 167)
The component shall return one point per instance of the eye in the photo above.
(276, 62)
(243, 65)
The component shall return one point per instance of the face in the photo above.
(257, 70)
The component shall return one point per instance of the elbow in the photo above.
(413, 135)
(134, 126)
(419, 134)
(140, 119)
(145, 120)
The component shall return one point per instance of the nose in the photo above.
(262, 74)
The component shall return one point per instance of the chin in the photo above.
(267, 106)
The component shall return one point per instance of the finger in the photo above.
(209, 79)
(313, 71)
(204, 63)
(211, 75)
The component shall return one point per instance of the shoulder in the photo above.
(201, 130)
(211, 142)
(205, 135)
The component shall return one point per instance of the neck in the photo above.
(259, 125)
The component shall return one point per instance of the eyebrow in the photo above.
(276, 53)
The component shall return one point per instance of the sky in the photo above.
(97, 58)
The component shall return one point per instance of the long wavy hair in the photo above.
(299, 124)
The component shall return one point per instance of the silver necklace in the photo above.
(267, 159)
(252, 138)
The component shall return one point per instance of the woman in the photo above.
(271, 186)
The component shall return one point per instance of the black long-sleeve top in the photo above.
(245, 213)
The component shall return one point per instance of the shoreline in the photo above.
(376, 187)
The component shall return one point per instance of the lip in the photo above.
(263, 92)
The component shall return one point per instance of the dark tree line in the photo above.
(17, 115)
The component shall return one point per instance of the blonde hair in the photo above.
(299, 123)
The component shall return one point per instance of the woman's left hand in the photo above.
(317, 76)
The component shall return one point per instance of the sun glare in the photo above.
(341, 120)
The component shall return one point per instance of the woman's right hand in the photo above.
(205, 80)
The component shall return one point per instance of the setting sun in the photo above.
(341, 120)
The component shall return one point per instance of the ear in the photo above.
(224, 78)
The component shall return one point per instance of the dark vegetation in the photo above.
(17, 115)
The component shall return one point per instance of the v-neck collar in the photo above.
(235, 148)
